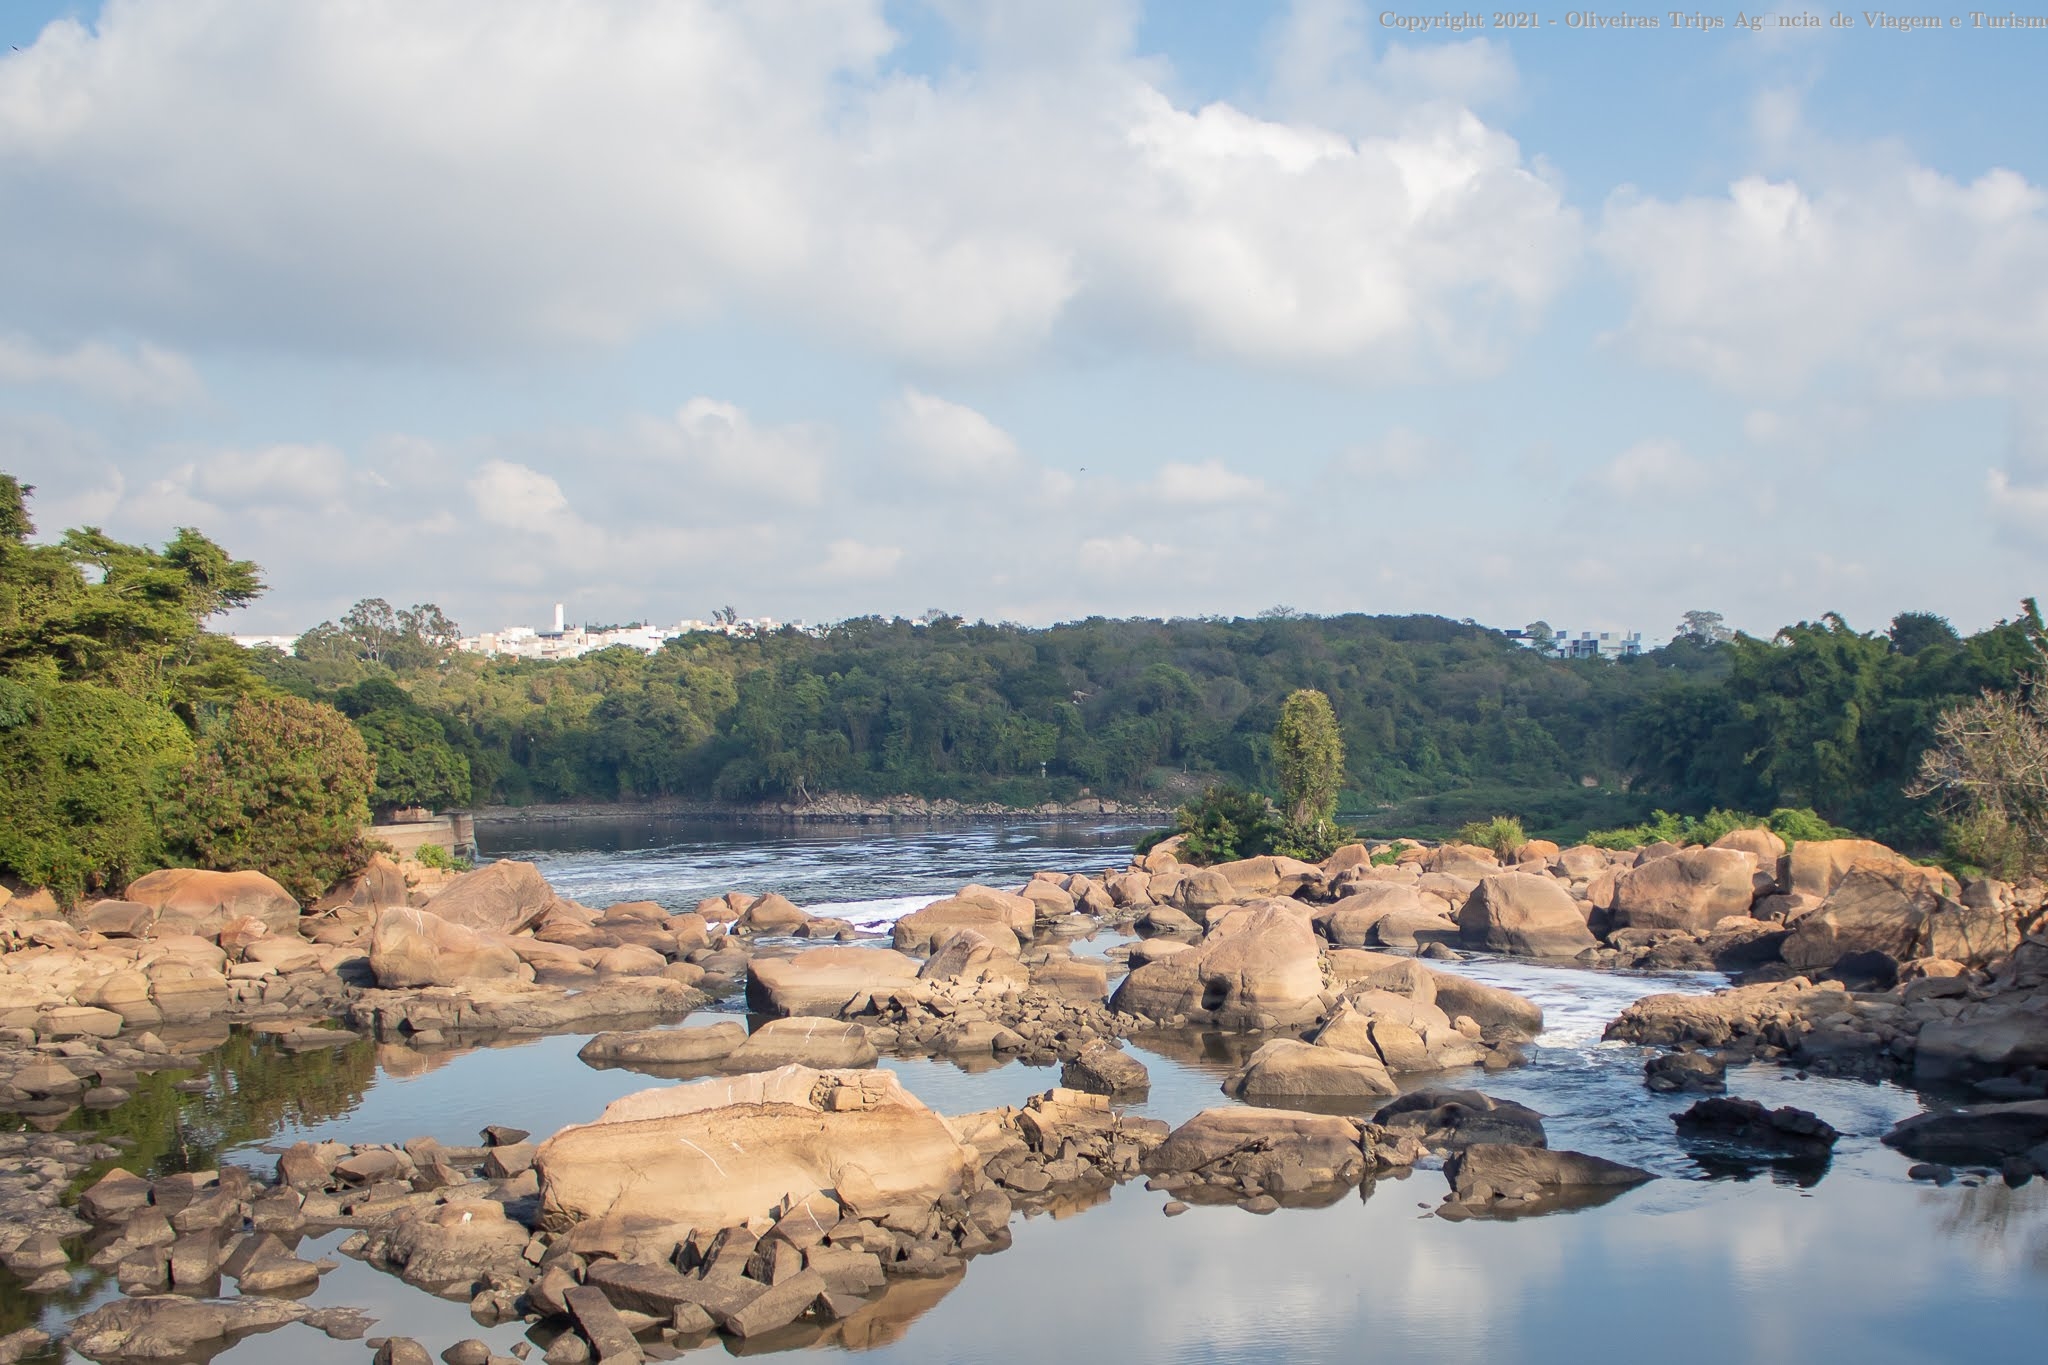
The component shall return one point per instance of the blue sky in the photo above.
(1032, 311)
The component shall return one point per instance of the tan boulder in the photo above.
(1462, 860)
(379, 886)
(771, 914)
(1494, 1008)
(1693, 890)
(968, 956)
(1540, 851)
(1761, 844)
(1284, 1069)
(1818, 866)
(498, 898)
(1349, 923)
(820, 981)
(921, 930)
(718, 1153)
(118, 919)
(410, 948)
(203, 901)
(822, 1043)
(1518, 912)
(1261, 970)
(1874, 908)
(1581, 862)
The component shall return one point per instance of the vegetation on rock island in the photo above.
(132, 738)
(114, 698)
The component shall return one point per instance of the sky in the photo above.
(1036, 309)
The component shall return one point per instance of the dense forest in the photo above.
(1441, 722)
(131, 736)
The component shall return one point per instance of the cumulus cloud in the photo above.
(143, 374)
(1860, 261)
(432, 176)
(290, 473)
(950, 441)
(718, 442)
(522, 499)
(1208, 484)
(1651, 468)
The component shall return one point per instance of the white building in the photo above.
(569, 642)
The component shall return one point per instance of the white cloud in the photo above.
(522, 499)
(426, 178)
(1651, 468)
(1123, 554)
(143, 375)
(1402, 454)
(950, 441)
(281, 473)
(850, 559)
(1208, 484)
(1862, 262)
(719, 442)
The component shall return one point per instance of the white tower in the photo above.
(558, 618)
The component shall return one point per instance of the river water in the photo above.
(1708, 1263)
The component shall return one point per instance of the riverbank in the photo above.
(830, 808)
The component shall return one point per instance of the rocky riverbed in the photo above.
(816, 1179)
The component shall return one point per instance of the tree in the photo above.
(1309, 753)
(416, 766)
(1988, 773)
(1541, 636)
(1913, 631)
(281, 785)
(81, 770)
(1704, 628)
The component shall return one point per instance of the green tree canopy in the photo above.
(281, 785)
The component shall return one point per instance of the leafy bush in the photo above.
(1503, 834)
(280, 785)
(1801, 825)
(1791, 825)
(80, 770)
(1386, 858)
(433, 855)
(1312, 841)
(1224, 824)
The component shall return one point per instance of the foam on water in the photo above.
(872, 914)
(1579, 1003)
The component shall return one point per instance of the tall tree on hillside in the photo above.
(1309, 753)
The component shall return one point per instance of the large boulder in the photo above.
(998, 916)
(822, 981)
(1817, 867)
(1260, 970)
(498, 898)
(677, 1047)
(1492, 1007)
(1442, 1118)
(1349, 923)
(412, 948)
(201, 902)
(1981, 1135)
(1519, 912)
(1286, 1070)
(820, 1043)
(1759, 843)
(1871, 910)
(1693, 890)
(378, 886)
(718, 1153)
(1238, 1143)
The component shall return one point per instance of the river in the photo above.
(1709, 1263)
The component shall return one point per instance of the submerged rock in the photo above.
(1501, 1180)
(1794, 1132)
(1440, 1117)
(1672, 1072)
(1981, 1135)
